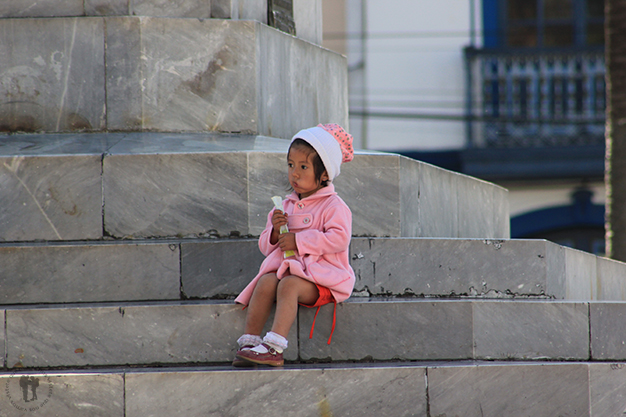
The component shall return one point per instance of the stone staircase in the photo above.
(129, 219)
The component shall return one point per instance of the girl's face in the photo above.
(301, 173)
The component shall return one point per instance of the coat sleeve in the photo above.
(264, 240)
(333, 238)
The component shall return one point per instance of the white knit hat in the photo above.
(332, 143)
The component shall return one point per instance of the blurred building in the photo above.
(510, 91)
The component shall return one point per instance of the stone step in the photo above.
(155, 185)
(179, 269)
(388, 389)
(141, 334)
(306, 17)
(130, 73)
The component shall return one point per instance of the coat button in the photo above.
(306, 220)
(300, 206)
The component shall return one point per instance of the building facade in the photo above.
(510, 91)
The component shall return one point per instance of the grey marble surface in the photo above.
(229, 77)
(581, 277)
(370, 186)
(531, 330)
(608, 341)
(382, 330)
(212, 269)
(37, 8)
(175, 195)
(52, 74)
(2, 338)
(72, 395)
(390, 391)
(607, 386)
(509, 390)
(89, 273)
(150, 269)
(134, 334)
(610, 284)
(477, 267)
(50, 198)
(180, 185)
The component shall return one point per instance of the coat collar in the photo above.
(321, 193)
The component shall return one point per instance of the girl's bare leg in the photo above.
(260, 305)
(291, 291)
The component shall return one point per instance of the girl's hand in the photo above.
(278, 219)
(287, 241)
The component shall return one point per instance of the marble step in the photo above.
(141, 334)
(306, 13)
(469, 389)
(179, 269)
(168, 74)
(65, 187)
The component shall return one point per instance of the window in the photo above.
(544, 23)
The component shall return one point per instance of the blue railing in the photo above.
(535, 99)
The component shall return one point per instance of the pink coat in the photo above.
(322, 223)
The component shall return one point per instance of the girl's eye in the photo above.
(304, 167)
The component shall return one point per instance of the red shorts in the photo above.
(325, 297)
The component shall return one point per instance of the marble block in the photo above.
(435, 208)
(608, 341)
(531, 330)
(307, 15)
(219, 268)
(230, 77)
(607, 389)
(409, 185)
(145, 334)
(88, 273)
(2, 339)
(363, 391)
(52, 74)
(473, 195)
(50, 198)
(175, 194)
(581, 278)
(267, 177)
(381, 330)
(41, 8)
(250, 9)
(225, 9)
(290, 73)
(107, 7)
(509, 390)
(70, 394)
(491, 268)
(200, 9)
(370, 187)
(611, 280)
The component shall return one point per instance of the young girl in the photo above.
(320, 228)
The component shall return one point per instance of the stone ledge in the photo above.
(396, 388)
(306, 14)
(185, 333)
(175, 269)
(129, 73)
(146, 185)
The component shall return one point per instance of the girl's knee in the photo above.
(268, 282)
(294, 284)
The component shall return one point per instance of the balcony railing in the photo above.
(535, 99)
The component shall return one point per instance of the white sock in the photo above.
(273, 340)
(249, 339)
